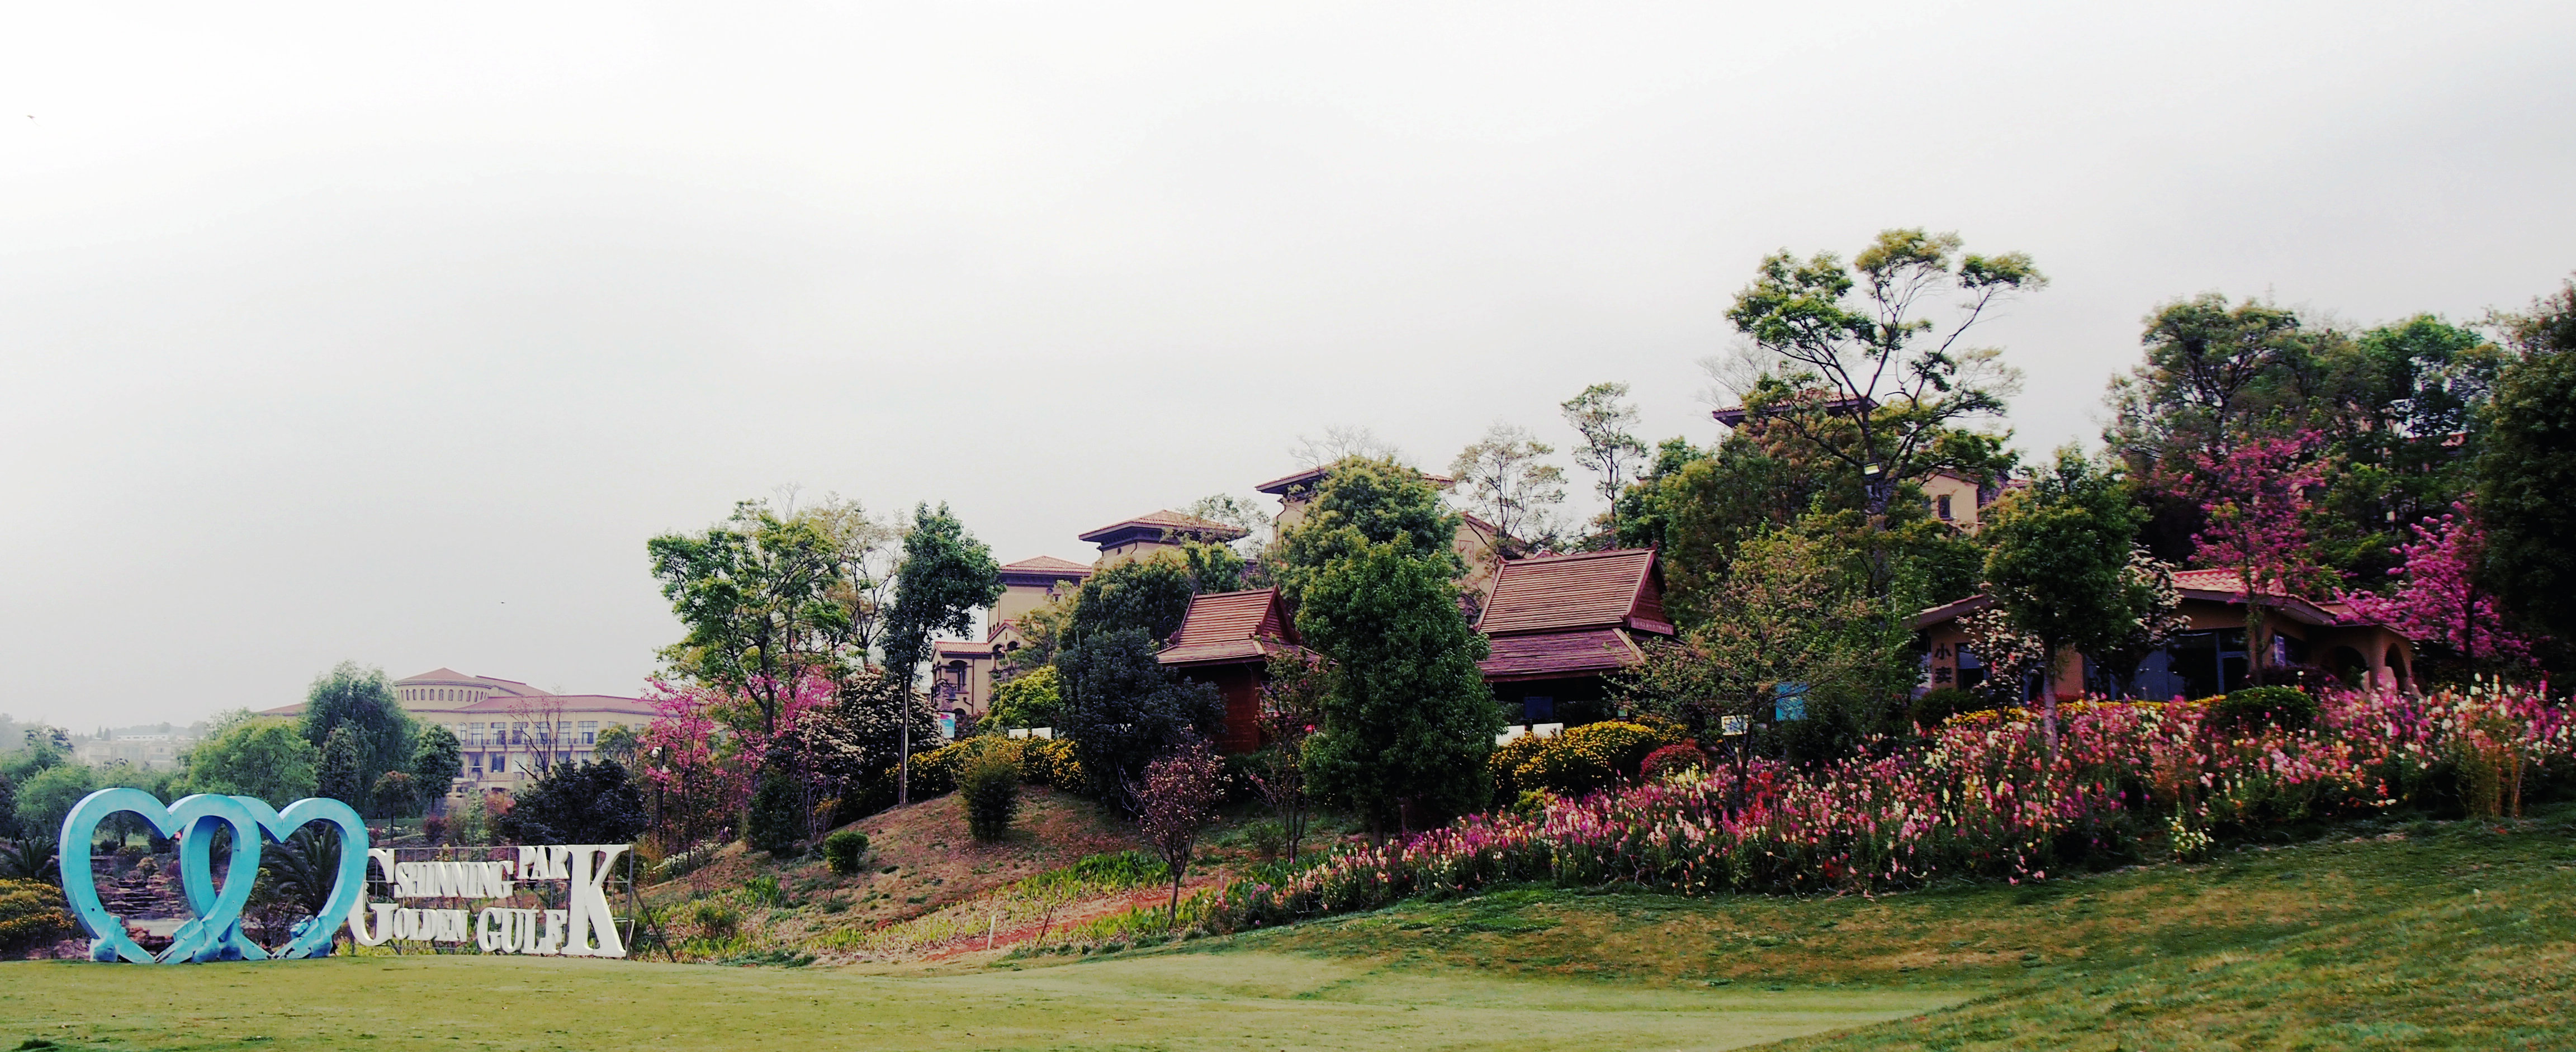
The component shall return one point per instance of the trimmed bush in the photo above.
(1673, 760)
(1936, 706)
(31, 914)
(1579, 760)
(991, 787)
(844, 849)
(2252, 708)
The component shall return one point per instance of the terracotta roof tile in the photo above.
(1048, 564)
(1231, 626)
(1586, 590)
(1554, 654)
(1169, 522)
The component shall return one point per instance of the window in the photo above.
(1943, 507)
(589, 733)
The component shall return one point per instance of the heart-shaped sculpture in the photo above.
(216, 932)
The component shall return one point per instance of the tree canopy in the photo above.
(1408, 721)
(1363, 502)
(360, 702)
(2525, 478)
(267, 758)
(1851, 360)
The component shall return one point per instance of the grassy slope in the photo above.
(2437, 935)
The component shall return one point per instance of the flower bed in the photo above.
(2132, 780)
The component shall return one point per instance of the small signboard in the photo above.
(1732, 726)
(1789, 702)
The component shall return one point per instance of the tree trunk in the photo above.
(903, 725)
(2048, 699)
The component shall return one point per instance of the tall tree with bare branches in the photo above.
(1850, 358)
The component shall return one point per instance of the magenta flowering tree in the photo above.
(2256, 498)
(2438, 599)
(689, 762)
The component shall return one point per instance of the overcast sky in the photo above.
(343, 333)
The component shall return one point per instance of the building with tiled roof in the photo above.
(2311, 639)
(1227, 640)
(1559, 624)
(1146, 534)
(511, 732)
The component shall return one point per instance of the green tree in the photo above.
(1504, 476)
(1121, 709)
(341, 775)
(29, 760)
(1794, 609)
(266, 758)
(361, 701)
(2528, 471)
(1602, 417)
(46, 797)
(1409, 721)
(1641, 513)
(759, 594)
(439, 759)
(2058, 565)
(576, 803)
(2214, 375)
(946, 576)
(1150, 595)
(1030, 699)
(1364, 502)
(2404, 431)
(1848, 360)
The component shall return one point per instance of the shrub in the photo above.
(1673, 760)
(844, 849)
(1936, 706)
(2252, 708)
(433, 830)
(715, 919)
(935, 772)
(991, 786)
(31, 914)
(1269, 838)
(763, 890)
(1053, 763)
(1579, 760)
(775, 822)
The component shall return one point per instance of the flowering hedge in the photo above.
(2132, 780)
(1579, 760)
(1043, 761)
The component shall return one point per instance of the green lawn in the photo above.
(1167, 1001)
(2425, 935)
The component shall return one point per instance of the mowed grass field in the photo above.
(1161, 1001)
(2378, 935)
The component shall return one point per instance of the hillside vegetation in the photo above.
(2423, 934)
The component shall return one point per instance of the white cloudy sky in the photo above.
(332, 332)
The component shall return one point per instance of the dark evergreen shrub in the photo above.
(844, 850)
(991, 788)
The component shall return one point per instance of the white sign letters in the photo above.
(586, 927)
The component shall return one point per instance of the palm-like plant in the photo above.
(33, 858)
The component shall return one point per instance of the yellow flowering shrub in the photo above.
(1581, 759)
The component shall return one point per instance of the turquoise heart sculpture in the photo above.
(215, 934)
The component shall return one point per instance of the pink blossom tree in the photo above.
(2438, 599)
(2255, 497)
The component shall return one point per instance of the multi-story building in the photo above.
(149, 751)
(511, 732)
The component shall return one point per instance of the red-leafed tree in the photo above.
(1178, 799)
(2255, 497)
(2438, 599)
